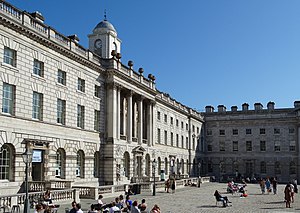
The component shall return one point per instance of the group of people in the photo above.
(289, 193)
(45, 205)
(118, 205)
(170, 183)
(268, 184)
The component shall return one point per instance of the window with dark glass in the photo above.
(38, 68)
(10, 57)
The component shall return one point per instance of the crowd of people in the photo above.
(120, 204)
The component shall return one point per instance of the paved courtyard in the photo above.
(194, 200)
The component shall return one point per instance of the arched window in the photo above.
(96, 164)
(80, 164)
(292, 168)
(60, 163)
(6, 162)
(263, 167)
(277, 168)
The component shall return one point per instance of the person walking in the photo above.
(268, 185)
(173, 185)
(274, 184)
(262, 184)
(287, 195)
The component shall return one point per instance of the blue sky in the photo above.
(202, 52)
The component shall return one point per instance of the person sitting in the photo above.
(142, 206)
(219, 197)
(113, 208)
(47, 197)
(155, 209)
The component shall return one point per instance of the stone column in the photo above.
(153, 119)
(143, 166)
(150, 124)
(140, 125)
(118, 113)
(129, 117)
(111, 111)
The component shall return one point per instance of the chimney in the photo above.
(234, 109)
(209, 109)
(271, 105)
(38, 16)
(258, 106)
(221, 108)
(245, 107)
(297, 104)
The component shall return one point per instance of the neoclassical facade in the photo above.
(87, 118)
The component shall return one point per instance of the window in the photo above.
(209, 166)
(80, 164)
(235, 146)
(166, 118)
(262, 131)
(6, 162)
(276, 131)
(209, 132)
(60, 163)
(177, 140)
(187, 126)
(10, 57)
(209, 147)
(263, 167)
(291, 130)
(158, 136)
(38, 68)
(277, 168)
(61, 77)
(222, 146)
(97, 91)
(292, 146)
(80, 116)
(177, 122)
(97, 120)
(292, 168)
(248, 146)
(181, 124)
(187, 142)
(262, 146)
(81, 85)
(235, 131)
(222, 131)
(198, 130)
(248, 132)
(172, 140)
(277, 146)
(97, 164)
(182, 141)
(61, 111)
(166, 137)
(37, 105)
(8, 99)
(158, 115)
(193, 143)
(193, 128)
(171, 120)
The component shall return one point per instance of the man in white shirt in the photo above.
(113, 208)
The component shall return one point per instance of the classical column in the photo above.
(150, 124)
(112, 111)
(129, 116)
(140, 124)
(143, 166)
(118, 112)
(153, 121)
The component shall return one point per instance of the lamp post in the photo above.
(199, 177)
(154, 164)
(27, 157)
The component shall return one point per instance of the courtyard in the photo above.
(194, 200)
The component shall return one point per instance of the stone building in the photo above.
(262, 142)
(87, 118)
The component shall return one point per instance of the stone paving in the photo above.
(196, 200)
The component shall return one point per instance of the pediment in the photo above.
(139, 149)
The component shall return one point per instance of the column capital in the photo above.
(129, 93)
(114, 85)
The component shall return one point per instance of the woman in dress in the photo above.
(287, 195)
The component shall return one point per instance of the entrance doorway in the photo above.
(37, 172)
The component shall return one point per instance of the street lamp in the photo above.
(199, 177)
(154, 164)
(27, 158)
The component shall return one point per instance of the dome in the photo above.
(104, 26)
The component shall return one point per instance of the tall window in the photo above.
(182, 142)
(177, 140)
(186, 142)
(222, 146)
(248, 131)
(248, 146)
(172, 139)
(166, 137)
(96, 164)
(172, 120)
(6, 162)
(8, 99)
(60, 163)
(97, 91)
(262, 131)
(277, 146)
(292, 146)
(80, 164)
(61, 77)
(262, 146)
(61, 111)
(10, 57)
(80, 116)
(181, 124)
(158, 136)
(209, 147)
(97, 120)
(277, 168)
(263, 167)
(177, 122)
(37, 105)
(235, 146)
(276, 131)
(38, 68)
(292, 168)
(158, 115)
(165, 118)
(81, 85)
(235, 131)
(209, 132)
